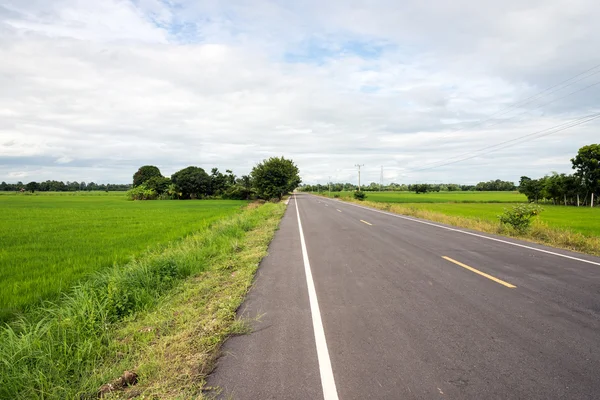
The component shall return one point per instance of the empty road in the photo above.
(356, 303)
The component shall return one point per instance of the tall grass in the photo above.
(53, 351)
(51, 242)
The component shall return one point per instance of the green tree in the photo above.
(192, 182)
(31, 187)
(587, 166)
(275, 177)
(218, 182)
(144, 173)
(159, 184)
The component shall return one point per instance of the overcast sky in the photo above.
(91, 90)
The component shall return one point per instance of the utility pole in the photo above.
(381, 180)
(329, 185)
(359, 165)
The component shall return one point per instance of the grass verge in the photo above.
(164, 316)
(539, 232)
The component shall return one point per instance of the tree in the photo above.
(275, 177)
(218, 182)
(587, 165)
(192, 182)
(159, 184)
(144, 173)
(532, 188)
(420, 188)
(31, 186)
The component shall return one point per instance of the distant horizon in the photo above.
(432, 93)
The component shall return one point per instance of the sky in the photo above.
(428, 90)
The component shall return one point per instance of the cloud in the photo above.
(93, 90)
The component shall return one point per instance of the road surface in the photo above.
(362, 304)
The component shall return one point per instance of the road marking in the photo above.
(327, 381)
(338, 209)
(475, 234)
(500, 281)
(365, 222)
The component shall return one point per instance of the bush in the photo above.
(336, 195)
(141, 192)
(238, 192)
(520, 216)
(360, 195)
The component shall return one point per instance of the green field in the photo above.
(584, 220)
(488, 205)
(443, 197)
(49, 242)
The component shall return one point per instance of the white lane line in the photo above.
(475, 234)
(327, 381)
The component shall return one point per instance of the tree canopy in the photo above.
(587, 165)
(144, 174)
(275, 177)
(192, 182)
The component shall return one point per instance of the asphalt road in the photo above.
(412, 310)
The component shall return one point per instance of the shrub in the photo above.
(359, 195)
(520, 216)
(141, 192)
(238, 192)
(336, 195)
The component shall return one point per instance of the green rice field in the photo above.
(488, 205)
(584, 220)
(443, 197)
(49, 242)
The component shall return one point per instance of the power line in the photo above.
(545, 104)
(531, 98)
(531, 136)
(525, 112)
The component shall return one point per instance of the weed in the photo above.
(519, 217)
(360, 195)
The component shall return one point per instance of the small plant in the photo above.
(336, 195)
(359, 195)
(520, 216)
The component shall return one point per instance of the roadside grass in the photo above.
(473, 216)
(438, 197)
(164, 315)
(50, 242)
(584, 220)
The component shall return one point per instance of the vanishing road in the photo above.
(355, 303)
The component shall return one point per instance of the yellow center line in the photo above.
(365, 222)
(339, 210)
(508, 285)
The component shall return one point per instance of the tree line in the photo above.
(579, 188)
(495, 185)
(269, 179)
(59, 186)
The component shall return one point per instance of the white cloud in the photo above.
(92, 90)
